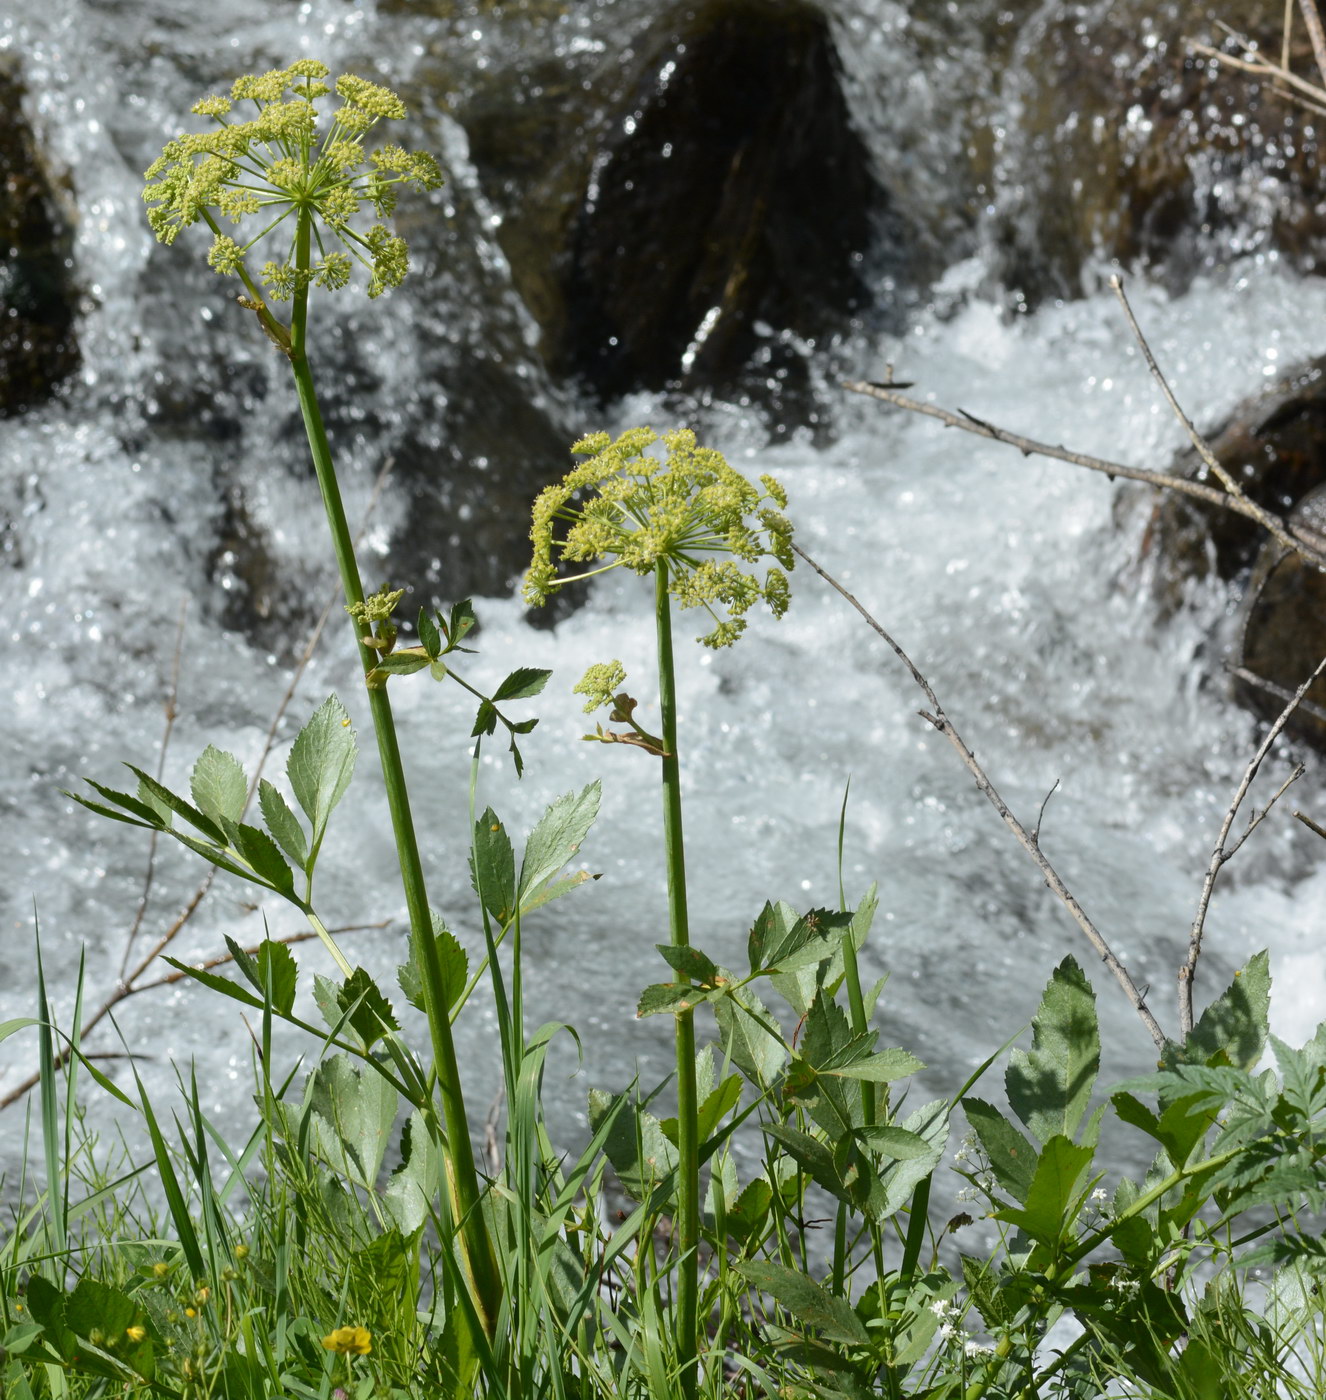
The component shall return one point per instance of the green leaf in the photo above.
(759, 1053)
(357, 1108)
(554, 889)
(460, 623)
(1012, 1157)
(888, 1140)
(415, 1181)
(690, 962)
(372, 1016)
(178, 805)
(263, 854)
(716, 1107)
(154, 824)
(283, 824)
(670, 998)
(522, 684)
(455, 969)
(321, 763)
(810, 1303)
(1053, 1197)
(930, 1124)
(215, 983)
(636, 1145)
(94, 1307)
(1234, 1025)
(218, 785)
(485, 721)
(493, 867)
(277, 969)
(404, 662)
(557, 837)
(438, 670)
(881, 1068)
(1049, 1087)
(430, 639)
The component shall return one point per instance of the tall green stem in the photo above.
(688, 1147)
(463, 1179)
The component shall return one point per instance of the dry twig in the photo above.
(1221, 853)
(1029, 447)
(1027, 840)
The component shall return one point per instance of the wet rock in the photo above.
(1284, 629)
(1274, 444)
(699, 212)
(37, 297)
(1119, 141)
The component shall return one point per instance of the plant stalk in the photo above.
(462, 1176)
(688, 1147)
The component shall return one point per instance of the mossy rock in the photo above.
(38, 348)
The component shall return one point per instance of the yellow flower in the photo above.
(135, 1334)
(349, 1341)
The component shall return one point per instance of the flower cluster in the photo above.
(679, 511)
(278, 163)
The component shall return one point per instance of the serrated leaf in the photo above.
(199, 820)
(554, 889)
(321, 764)
(1012, 1157)
(358, 1107)
(690, 962)
(557, 836)
(429, 637)
(216, 983)
(372, 1016)
(1053, 1196)
(218, 785)
(522, 684)
(461, 621)
(930, 1124)
(889, 1140)
(415, 1181)
(716, 1106)
(493, 867)
(636, 1146)
(810, 1303)
(404, 662)
(1049, 1087)
(485, 721)
(672, 998)
(881, 1068)
(455, 965)
(282, 823)
(278, 970)
(759, 1053)
(1234, 1025)
(263, 854)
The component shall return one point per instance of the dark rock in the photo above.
(701, 214)
(1284, 628)
(1119, 140)
(37, 297)
(1274, 445)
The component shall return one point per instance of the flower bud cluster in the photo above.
(280, 162)
(680, 510)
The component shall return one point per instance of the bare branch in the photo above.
(1220, 854)
(1027, 840)
(1040, 816)
(1271, 523)
(1311, 825)
(969, 423)
(1312, 23)
(1280, 691)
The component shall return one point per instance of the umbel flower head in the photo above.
(686, 510)
(285, 160)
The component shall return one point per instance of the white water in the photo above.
(1016, 585)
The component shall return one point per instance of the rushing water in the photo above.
(1018, 585)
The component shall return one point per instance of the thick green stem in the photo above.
(688, 1147)
(461, 1173)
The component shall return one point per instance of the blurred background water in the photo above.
(909, 188)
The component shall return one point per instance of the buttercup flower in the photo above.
(680, 511)
(281, 161)
(349, 1341)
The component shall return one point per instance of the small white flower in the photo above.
(941, 1307)
(949, 1331)
(1099, 1194)
(975, 1350)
